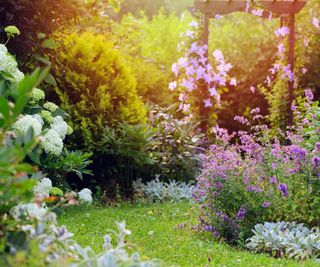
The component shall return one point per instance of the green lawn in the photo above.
(155, 234)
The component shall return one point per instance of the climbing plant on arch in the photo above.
(285, 10)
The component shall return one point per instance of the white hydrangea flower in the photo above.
(18, 76)
(38, 118)
(52, 143)
(60, 126)
(22, 125)
(9, 64)
(30, 209)
(3, 49)
(85, 195)
(43, 187)
(37, 95)
(50, 106)
(46, 115)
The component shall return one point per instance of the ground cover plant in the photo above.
(163, 231)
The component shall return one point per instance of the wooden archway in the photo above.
(283, 9)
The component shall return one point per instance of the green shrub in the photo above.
(124, 153)
(176, 146)
(95, 86)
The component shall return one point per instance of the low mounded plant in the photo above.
(284, 239)
(156, 190)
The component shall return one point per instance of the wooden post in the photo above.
(204, 111)
(291, 62)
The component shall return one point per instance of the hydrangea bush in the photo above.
(45, 122)
(257, 178)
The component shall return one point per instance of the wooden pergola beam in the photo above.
(222, 7)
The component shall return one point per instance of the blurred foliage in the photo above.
(309, 56)
(38, 19)
(152, 7)
(15, 174)
(42, 17)
(151, 45)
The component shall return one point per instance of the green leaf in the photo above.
(60, 112)
(35, 157)
(50, 80)
(49, 43)
(11, 31)
(4, 108)
(41, 35)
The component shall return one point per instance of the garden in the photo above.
(159, 133)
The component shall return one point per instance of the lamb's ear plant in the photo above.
(284, 239)
(156, 190)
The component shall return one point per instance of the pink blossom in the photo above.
(281, 48)
(252, 89)
(183, 62)
(200, 72)
(173, 85)
(306, 42)
(223, 68)
(282, 32)
(288, 72)
(187, 84)
(213, 91)
(315, 22)
(175, 69)
(304, 70)
(186, 107)
(194, 24)
(257, 12)
(218, 55)
(220, 80)
(190, 34)
(207, 103)
(233, 82)
(194, 47)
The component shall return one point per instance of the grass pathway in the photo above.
(155, 234)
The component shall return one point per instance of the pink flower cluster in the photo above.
(194, 70)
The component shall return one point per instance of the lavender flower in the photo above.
(241, 213)
(266, 204)
(283, 189)
(309, 95)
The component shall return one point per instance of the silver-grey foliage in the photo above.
(58, 247)
(157, 190)
(291, 240)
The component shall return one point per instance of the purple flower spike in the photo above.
(283, 189)
(241, 213)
